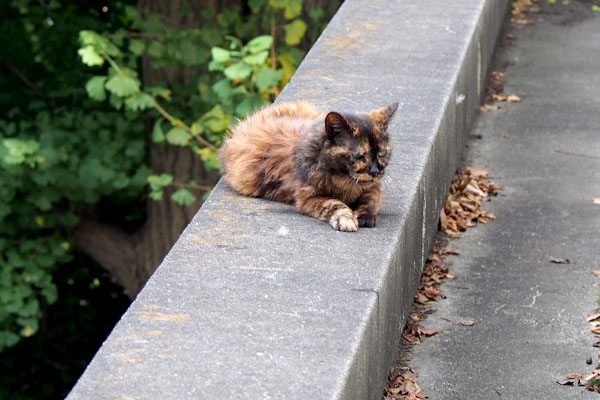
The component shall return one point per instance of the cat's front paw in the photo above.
(344, 220)
(367, 220)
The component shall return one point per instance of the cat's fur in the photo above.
(328, 165)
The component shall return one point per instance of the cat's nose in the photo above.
(374, 170)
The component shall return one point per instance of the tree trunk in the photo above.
(132, 258)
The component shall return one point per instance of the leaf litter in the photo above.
(462, 210)
(591, 381)
(494, 91)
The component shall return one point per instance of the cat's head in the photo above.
(359, 146)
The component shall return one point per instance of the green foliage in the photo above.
(46, 365)
(75, 110)
(243, 78)
(56, 158)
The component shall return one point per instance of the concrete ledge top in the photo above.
(256, 301)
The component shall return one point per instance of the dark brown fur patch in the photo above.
(328, 165)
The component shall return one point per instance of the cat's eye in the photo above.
(382, 153)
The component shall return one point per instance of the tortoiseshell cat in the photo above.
(329, 166)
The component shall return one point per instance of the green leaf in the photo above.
(30, 326)
(18, 150)
(259, 44)
(248, 105)
(156, 195)
(98, 42)
(210, 158)
(178, 136)
(595, 8)
(69, 219)
(123, 85)
(220, 55)
(159, 91)
(256, 59)
(294, 32)
(115, 101)
(268, 78)
(292, 9)
(50, 292)
(89, 56)
(223, 89)
(137, 46)
(316, 14)
(159, 181)
(140, 101)
(255, 5)
(183, 197)
(157, 49)
(95, 88)
(87, 37)
(8, 339)
(238, 70)
(288, 63)
(278, 3)
(158, 135)
(215, 120)
(215, 66)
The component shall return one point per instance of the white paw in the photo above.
(344, 220)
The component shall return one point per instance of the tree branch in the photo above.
(113, 249)
(25, 80)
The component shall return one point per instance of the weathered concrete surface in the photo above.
(531, 329)
(255, 301)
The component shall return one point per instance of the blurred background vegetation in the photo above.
(111, 115)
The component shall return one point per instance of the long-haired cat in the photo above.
(328, 165)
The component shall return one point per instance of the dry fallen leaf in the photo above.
(422, 299)
(565, 382)
(593, 317)
(560, 260)
(597, 200)
(466, 322)
(489, 107)
(597, 273)
(596, 329)
(447, 250)
(513, 98)
(430, 332)
(477, 172)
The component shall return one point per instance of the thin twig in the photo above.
(568, 153)
(172, 120)
(26, 81)
(112, 63)
(193, 186)
(164, 112)
(273, 53)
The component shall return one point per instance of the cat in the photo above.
(329, 166)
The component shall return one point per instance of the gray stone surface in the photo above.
(255, 301)
(531, 329)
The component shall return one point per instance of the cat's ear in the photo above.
(383, 115)
(335, 124)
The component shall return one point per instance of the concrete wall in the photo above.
(258, 302)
